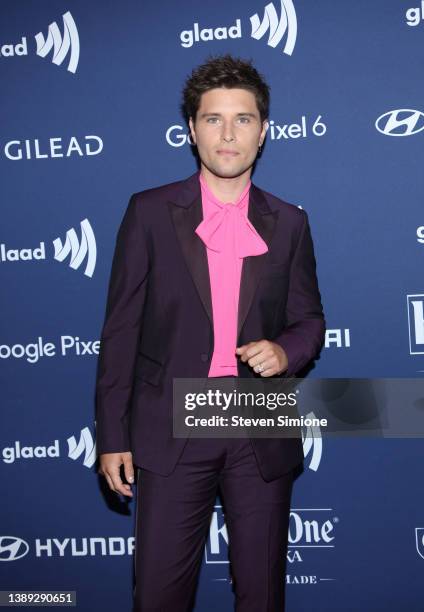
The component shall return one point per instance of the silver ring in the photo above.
(260, 367)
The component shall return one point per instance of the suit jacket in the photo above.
(158, 322)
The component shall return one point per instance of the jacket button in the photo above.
(204, 357)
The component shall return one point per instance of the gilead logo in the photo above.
(17, 150)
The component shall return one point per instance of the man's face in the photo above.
(227, 131)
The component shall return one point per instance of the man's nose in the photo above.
(228, 134)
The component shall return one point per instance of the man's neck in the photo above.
(226, 190)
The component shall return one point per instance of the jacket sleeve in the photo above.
(304, 334)
(121, 330)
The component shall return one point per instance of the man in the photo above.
(211, 277)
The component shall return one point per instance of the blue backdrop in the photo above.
(90, 114)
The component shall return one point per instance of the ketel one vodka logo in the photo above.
(62, 46)
(311, 528)
(76, 251)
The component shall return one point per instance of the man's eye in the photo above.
(244, 119)
(212, 119)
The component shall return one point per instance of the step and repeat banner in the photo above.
(90, 114)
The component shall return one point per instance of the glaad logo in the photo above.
(420, 234)
(312, 443)
(11, 453)
(400, 122)
(61, 45)
(419, 541)
(188, 37)
(415, 304)
(415, 15)
(85, 445)
(276, 27)
(79, 250)
(12, 548)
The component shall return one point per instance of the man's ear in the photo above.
(192, 132)
(265, 126)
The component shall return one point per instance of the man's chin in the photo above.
(228, 173)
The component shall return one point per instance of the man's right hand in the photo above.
(109, 467)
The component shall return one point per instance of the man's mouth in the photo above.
(227, 152)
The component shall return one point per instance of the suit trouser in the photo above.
(172, 524)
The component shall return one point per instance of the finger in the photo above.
(269, 371)
(273, 366)
(263, 368)
(260, 358)
(109, 482)
(253, 349)
(129, 470)
(240, 350)
(120, 487)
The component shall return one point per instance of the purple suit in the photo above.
(158, 321)
(158, 327)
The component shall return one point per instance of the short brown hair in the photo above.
(224, 71)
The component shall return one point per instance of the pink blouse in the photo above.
(229, 236)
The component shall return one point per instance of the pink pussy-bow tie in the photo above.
(212, 230)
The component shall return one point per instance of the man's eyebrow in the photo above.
(246, 114)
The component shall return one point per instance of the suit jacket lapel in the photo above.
(186, 212)
(264, 220)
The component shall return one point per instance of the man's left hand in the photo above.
(265, 357)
